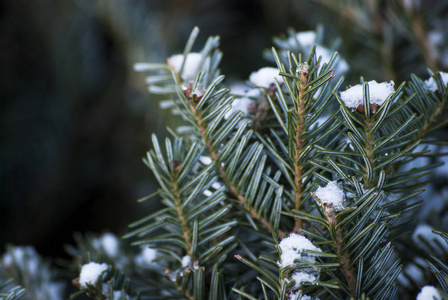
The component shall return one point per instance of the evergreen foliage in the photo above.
(269, 163)
(9, 291)
(241, 216)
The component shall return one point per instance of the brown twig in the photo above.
(299, 146)
(183, 222)
(370, 137)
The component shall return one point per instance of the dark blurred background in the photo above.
(76, 119)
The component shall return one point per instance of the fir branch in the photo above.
(338, 238)
(10, 291)
(370, 145)
(183, 223)
(183, 291)
(223, 174)
(206, 110)
(299, 144)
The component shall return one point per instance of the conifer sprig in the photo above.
(278, 165)
(195, 233)
(300, 102)
(239, 160)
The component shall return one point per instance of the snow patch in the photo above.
(332, 194)
(110, 244)
(146, 257)
(265, 77)
(431, 84)
(119, 295)
(90, 273)
(307, 39)
(295, 296)
(301, 277)
(292, 248)
(191, 66)
(242, 104)
(186, 261)
(378, 92)
(429, 292)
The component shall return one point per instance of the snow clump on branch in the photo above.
(292, 248)
(108, 243)
(331, 194)
(429, 292)
(146, 257)
(431, 84)
(191, 67)
(378, 93)
(295, 296)
(265, 77)
(307, 39)
(90, 273)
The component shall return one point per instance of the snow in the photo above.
(205, 160)
(332, 194)
(240, 89)
(25, 258)
(429, 292)
(116, 295)
(431, 84)
(340, 64)
(110, 244)
(191, 66)
(292, 248)
(301, 277)
(295, 296)
(90, 273)
(433, 239)
(245, 100)
(119, 295)
(241, 104)
(378, 92)
(186, 261)
(265, 77)
(146, 257)
(307, 39)
(7, 260)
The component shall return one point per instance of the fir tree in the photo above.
(295, 188)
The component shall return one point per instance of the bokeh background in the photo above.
(75, 119)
